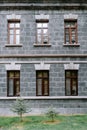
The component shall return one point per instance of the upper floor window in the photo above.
(13, 83)
(42, 32)
(70, 30)
(42, 83)
(71, 82)
(14, 32)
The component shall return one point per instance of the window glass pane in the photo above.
(39, 74)
(68, 87)
(45, 25)
(11, 39)
(11, 31)
(17, 89)
(11, 75)
(67, 24)
(72, 24)
(39, 38)
(74, 74)
(10, 93)
(45, 38)
(17, 39)
(45, 87)
(17, 74)
(11, 25)
(17, 25)
(45, 31)
(45, 75)
(67, 39)
(39, 25)
(74, 87)
(68, 73)
(73, 39)
(67, 31)
(73, 31)
(39, 87)
(39, 31)
(17, 31)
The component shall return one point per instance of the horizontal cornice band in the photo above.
(46, 98)
(44, 56)
(47, 6)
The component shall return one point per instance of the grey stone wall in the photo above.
(56, 72)
(56, 80)
(62, 106)
(56, 33)
(57, 89)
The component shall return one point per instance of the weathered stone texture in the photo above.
(28, 48)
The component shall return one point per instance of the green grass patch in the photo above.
(74, 122)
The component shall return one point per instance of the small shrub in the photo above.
(20, 107)
(51, 113)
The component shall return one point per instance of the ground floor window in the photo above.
(71, 82)
(13, 83)
(42, 83)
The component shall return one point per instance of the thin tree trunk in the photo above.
(21, 118)
(52, 118)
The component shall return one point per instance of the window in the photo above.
(71, 82)
(70, 32)
(42, 83)
(42, 32)
(14, 32)
(13, 83)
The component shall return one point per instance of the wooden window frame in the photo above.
(14, 29)
(42, 34)
(42, 89)
(71, 81)
(70, 32)
(14, 84)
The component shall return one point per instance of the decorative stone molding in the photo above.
(71, 66)
(13, 16)
(13, 66)
(46, 97)
(42, 66)
(70, 16)
(41, 16)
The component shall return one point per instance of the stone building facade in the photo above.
(43, 55)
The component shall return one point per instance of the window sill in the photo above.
(42, 45)
(72, 45)
(13, 45)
